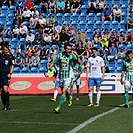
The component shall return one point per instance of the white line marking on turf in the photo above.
(74, 130)
(36, 123)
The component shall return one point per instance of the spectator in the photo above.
(107, 14)
(3, 43)
(29, 4)
(36, 49)
(26, 61)
(34, 11)
(130, 6)
(44, 6)
(55, 38)
(50, 59)
(129, 37)
(48, 29)
(18, 60)
(72, 32)
(122, 38)
(117, 14)
(129, 24)
(64, 38)
(33, 22)
(53, 51)
(67, 6)
(60, 6)
(23, 30)
(104, 53)
(96, 37)
(66, 27)
(30, 39)
(8, 3)
(47, 39)
(44, 52)
(57, 28)
(76, 6)
(106, 34)
(121, 54)
(35, 60)
(26, 14)
(8, 33)
(100, 6)
(1, 30)
(19, 3)
(52, 6)
(41, 23)
(38, 38)
(50, 19)
(29, 51)
(18, 11)
(103, 42)
(17, 21)
(80, 36)
(112, 53)
(15, 32)
(92, 7)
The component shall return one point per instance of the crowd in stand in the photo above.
(50, 36)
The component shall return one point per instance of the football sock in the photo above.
(3, 97)
(90, 95)
(67, 96)
(98, 96)
(55, 94)
(126, 96)
(62, 98)
(78, 91)
(7, 98)
(71, 91)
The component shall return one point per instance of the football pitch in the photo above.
(34, 114)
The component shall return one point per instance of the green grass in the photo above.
(34, 114)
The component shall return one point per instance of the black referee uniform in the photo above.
(6, 64)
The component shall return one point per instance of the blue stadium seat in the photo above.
(119, 69)
(111, 69)
(99, 25)
(26, 23)
(11, 9)
(124, 16)
(17, 70)
(130, 46)
(59, 16)
(75, 24)
(48, 46)
(120, 46)
(97, 46)
(82, 25)
(3, 18)
(10, 18)
(89, 33)
(34, 70)
(33, 31)
(107, 25)
(84, 8)
(42, 69)
(25, 70)
(115, 25)
(67, 17)
(22, 41)
(91, 17)
(75, 17)
(98, 16)
(122, 24)
(91, 25)
(117, 2)
(82, 17)
(120, 61)
(43, 63)
(8, 40)
(4, 10)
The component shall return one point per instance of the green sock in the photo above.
(71, 91)
(62, 98)
(126, 96)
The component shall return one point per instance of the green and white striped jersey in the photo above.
(127, 67)
(65, 63)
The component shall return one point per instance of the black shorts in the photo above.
(4, 82)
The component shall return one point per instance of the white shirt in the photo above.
(117, 12)
(42, 21)
(47, 38)
(23, 30)
(95, 65)
(35, 12)
(33, 20)
(16, 31)
(27, 13)
(31, 38)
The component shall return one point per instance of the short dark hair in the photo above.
(128, 52)
(94, 48)
(67, 44)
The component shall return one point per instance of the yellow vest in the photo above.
(50, 73)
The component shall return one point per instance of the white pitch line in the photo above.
(74, 130)
(36, 123)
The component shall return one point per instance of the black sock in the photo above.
(67, 95)
(3, 97)
(7, 98)
(78, 91)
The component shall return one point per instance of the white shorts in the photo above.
(128, 83)
(65, 82)
(77, 81)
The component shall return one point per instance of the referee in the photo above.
(6, 70)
